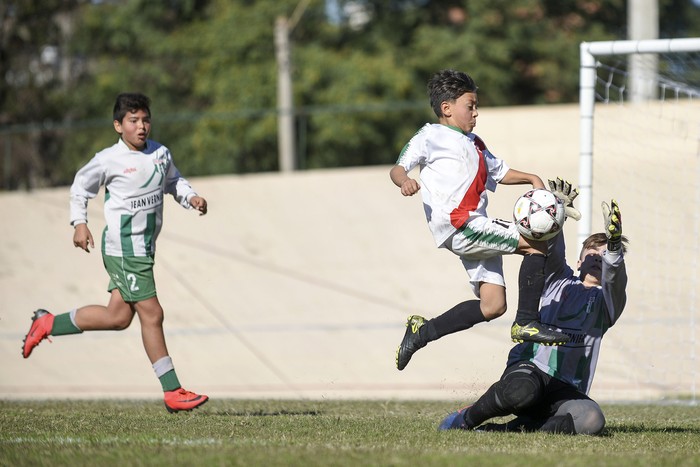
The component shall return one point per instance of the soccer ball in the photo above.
(539, 215)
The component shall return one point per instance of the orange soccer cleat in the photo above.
(42, 322)
(183, 400)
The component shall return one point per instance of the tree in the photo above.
(30, 90)
(359, 75)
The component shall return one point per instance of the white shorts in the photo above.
(481, 245)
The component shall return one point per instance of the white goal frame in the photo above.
(592, 55)
(587, 79)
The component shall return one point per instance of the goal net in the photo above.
(640, 144)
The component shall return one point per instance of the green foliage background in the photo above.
(210, 68)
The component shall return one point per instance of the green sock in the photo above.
(169, 381)
(62, 325)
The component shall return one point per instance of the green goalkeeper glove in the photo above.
(612, 218)
(564, 191)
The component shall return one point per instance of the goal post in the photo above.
(640, 144)
(589, 52)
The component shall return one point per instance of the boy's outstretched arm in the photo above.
(409, 186)
(516, 177)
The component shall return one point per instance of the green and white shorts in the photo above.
(132, 275)
(481, 245)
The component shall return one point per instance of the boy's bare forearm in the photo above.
(398, 175)
(516, 177)
(409, 186)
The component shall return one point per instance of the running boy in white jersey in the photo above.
(456, 170)
(136, 173)
(547, 388)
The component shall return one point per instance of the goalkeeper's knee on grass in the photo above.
(587, 415)
(518, 389)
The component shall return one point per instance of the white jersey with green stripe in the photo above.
(583, 313)
(135, 184)
(456, 170)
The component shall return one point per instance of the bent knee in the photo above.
(493, 300)
(493, 310)
(518, 390)
(493, 313)
(119, 317)
(122, 322)
(587, 414)
(590, 423)
(519, 396)
(594, 428)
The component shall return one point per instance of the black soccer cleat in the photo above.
(537, 332)
(411, 341)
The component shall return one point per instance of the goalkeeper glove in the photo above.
(612, 218)
(566, 194)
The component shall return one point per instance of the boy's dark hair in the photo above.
(130, 102)
(447, 86)
(599, 239)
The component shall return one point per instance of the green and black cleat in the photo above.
(537, 332)
(411, 341)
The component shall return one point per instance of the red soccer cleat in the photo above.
(42, 322)
(183, 400)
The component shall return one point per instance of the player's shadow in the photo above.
(635, 429)
(262, 413)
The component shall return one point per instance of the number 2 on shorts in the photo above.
(132, 282)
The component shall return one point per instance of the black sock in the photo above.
(530, 286)
(458, 318)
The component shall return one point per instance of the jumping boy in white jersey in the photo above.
(137, 173)
(456, 170)
(547, 388)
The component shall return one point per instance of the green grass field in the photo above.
(271, 432)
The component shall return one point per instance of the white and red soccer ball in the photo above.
(539, 215)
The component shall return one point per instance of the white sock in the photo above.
(72, 318)
(163, 366)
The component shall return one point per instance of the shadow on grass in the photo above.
(612, 430)
(634, 429)
(261, 413)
